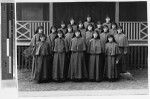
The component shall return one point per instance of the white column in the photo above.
(51, 13)
(15, 44)
(117, 12)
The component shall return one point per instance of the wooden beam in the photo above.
(51, 13)
(117, 12)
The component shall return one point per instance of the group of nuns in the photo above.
(79, 52)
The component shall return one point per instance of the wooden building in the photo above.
(131, 15)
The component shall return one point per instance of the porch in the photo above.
(135, 26)
(136, 32)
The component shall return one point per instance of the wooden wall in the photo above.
(80, 10)
(128, 11)
(137, 58)
(32, 11)
(133, 11)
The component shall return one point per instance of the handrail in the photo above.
(28, 43)
(32, 21)
(134, 30)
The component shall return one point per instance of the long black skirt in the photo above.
(95, 67)
(111, 70)
(59, 66)
(43, 68)
(77, 67)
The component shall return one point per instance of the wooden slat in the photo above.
(129, 33)
(137, 32)
(146, 56)
(130, 57)
(47, 29)
(132, 37)
(31, 29)
(131, 30)
(18, 58)
(35, 27)
(137, 57)
(142, 56)
(44, 27)
(125, 27)
(22, 58)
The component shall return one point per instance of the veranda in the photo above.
(131, 16)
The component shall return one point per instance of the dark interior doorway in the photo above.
(79, 11)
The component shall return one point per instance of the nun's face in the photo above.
(69, 29)
(53, 30)
(105, 29)
(62, 25)
(88, 19)
(72, 21)
(59, 35)
(42, 38)
(107, 20)
(119, 31)
(40, 30)
(113, 26)
(99, 26)
(77, 34)
(89, 28)
(95, 35)
(80, 25)
(110, 39)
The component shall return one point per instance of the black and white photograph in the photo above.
(75, 48)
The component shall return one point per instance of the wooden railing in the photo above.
(26, 29)
(135, 32)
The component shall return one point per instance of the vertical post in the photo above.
(117, 13)
(14, 43)
(0, 42)
(51, 13)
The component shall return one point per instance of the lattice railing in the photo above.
(135, 31)
(144, 31)
(26, 29)
(23, 31)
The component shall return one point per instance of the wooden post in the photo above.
(51, 13)
(117, 13)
